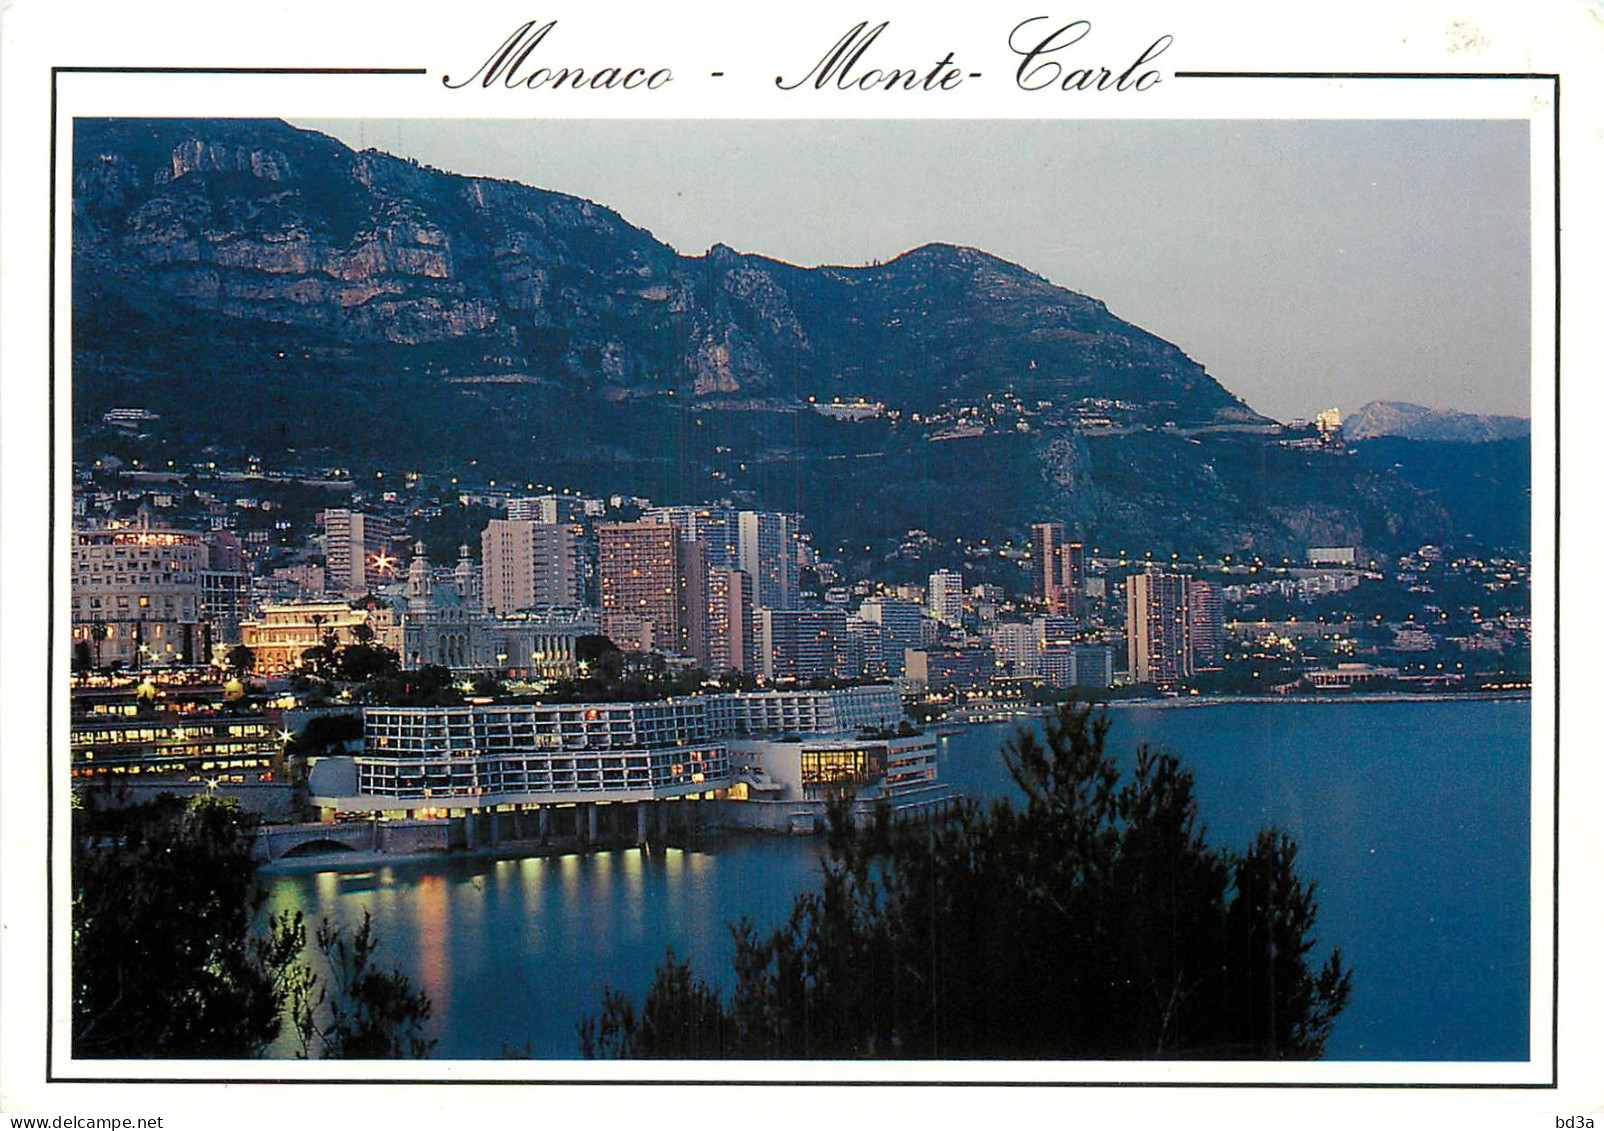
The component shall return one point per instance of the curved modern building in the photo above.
(516, 754)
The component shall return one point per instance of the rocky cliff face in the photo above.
(258, 221)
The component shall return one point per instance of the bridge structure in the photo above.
(579, 826)
(274, 842)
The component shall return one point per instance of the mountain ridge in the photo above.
(269, 291)
(374, 246)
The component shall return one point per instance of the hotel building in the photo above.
(174, 733)
(137, 596)
(282, 633)
(472, 760)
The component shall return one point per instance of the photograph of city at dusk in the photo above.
(801, 590)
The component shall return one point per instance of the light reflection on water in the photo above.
(1413, 817)
(516, 950)
(433, 916)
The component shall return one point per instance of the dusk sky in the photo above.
(1304, 264)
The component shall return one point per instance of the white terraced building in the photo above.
(847, 709)
(470, 760)
(534, 752)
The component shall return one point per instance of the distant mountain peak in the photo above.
(938, 249)
(942, 254)
(1417, 422)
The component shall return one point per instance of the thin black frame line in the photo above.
(1323, 1085)
(1558, 310)
(241, 70)
(1338, 75)
(50, 628)
(50, 1076)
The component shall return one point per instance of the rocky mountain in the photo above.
(267, 291)
(260, 221)
(1413, 422)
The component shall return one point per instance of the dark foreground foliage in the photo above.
(165, 962)
(370, 1013)
(1093, 922)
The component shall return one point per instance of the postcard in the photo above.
(975, 556)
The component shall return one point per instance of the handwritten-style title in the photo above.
(1045, 54)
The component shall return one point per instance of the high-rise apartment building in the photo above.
(803, 643)
(900, 622)
(767, 550)
(1158, 627)
(639, 567)
(1045, 539)
(946, 597)
(1072, 576)
(355, 549)
(1057, 569)
(546, 508)
(716, 524)
(1016, 648)
(731, 625)
(532, 564)
(225, 583)
(967, 669)
(1055, 648)
(694, 590)
(1094, 665)
(1055, 631)
(725, 630)
(1077, 665)
(1208, 627)
(225, 601)
(866, 647)
(761, 545)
